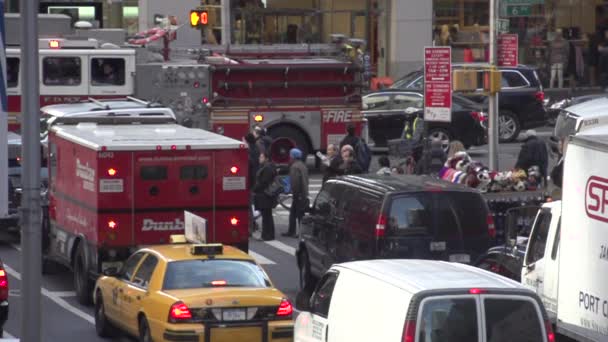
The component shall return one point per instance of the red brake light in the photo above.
(479, 116)
(179, 311)
(219, 283)
(205, 100)
(285, 308)
(196, 84)
(3, 285)
(409, 331)
(111, 172)
(540, 96)
(234, 170)
(477, 291)
(380, 226)
(234, 221)
(491, 226)
(112, 224)
(550, 334)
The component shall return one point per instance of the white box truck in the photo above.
(566, 259)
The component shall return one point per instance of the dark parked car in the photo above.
(371, 216)
(521, 100)
(387, 112)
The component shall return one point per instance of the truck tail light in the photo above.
(112, 172)
(381, 226)
(491, 226)
(179, 312)
(173, 147)
(476, 291)
(234, 221)
(112, 224)
(550, 333)
(3, 285)
(409, 331)
(234, 170)
(285, 308)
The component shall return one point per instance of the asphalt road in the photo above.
(64, 319)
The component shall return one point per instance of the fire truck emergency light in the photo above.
(234, 170)
(112, 224)
(258, 118)
(234, 221)
(54, 44)
(111, 172)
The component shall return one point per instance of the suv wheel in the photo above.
(442, 135)
(508, 126)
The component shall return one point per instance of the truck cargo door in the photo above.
(167, 183)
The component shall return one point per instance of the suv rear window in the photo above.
(449, 319)
(512, 320)
(194, 274)
(410, 213)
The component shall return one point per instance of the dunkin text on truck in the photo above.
(123, 177)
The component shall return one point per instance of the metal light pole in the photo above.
(493, 103)
(31, 232)
(226, 33)
(3, 120)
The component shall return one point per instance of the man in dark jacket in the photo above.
(533, 152)
(348, 163)
(254, 158)
(263, 141)
(350, 138)
(298, 176)
(262, 202)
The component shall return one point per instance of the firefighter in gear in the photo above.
(413, 129)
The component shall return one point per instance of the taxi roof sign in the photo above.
(175, 239)
(207, 249)
(195, 228)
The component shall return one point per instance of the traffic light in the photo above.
(199, 18)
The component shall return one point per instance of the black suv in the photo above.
(520, 100)
(371, 216)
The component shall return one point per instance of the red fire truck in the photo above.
(306, 101)
(121, 174)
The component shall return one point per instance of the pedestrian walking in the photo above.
(254, 158)
(385, 166)
(263, 141)
(559, 51)
(348, 165)
(533, 153)
(298, 176)
(330, 162)
(262, 201)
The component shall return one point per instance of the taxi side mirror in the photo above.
(111, 272)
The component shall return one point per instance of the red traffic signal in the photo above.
(199, 18)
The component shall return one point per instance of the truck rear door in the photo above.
(165, 184)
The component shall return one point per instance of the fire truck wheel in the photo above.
(283, 139)
(82, 282)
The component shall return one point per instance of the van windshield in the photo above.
(511, 319)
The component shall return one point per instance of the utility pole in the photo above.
(226, 29)
(493, 103)
(3, 120)
(31, 232)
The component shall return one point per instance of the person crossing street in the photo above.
(298, 176)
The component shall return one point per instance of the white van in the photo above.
(420, 301)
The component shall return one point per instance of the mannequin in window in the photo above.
(559, 50)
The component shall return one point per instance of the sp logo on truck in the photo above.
(596, 198)
(151, 225)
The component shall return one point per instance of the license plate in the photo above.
(116, 264)
(438, 246)
(462, 258)
(234, 315)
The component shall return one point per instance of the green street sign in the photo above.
(518, 11)
(502, 25)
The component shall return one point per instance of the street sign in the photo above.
(507, 50)
(438, 84)
(518, 11)
(502, 25)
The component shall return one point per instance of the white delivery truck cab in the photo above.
(566, 260)
(420, 300)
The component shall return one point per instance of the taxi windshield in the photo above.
(192, 274)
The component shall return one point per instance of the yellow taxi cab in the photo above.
(192, 292)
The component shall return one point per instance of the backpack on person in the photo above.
(363, 155)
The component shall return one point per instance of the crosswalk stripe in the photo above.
(260, 259)
(281, 246)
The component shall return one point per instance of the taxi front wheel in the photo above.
(102, 326)
(144, 330)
